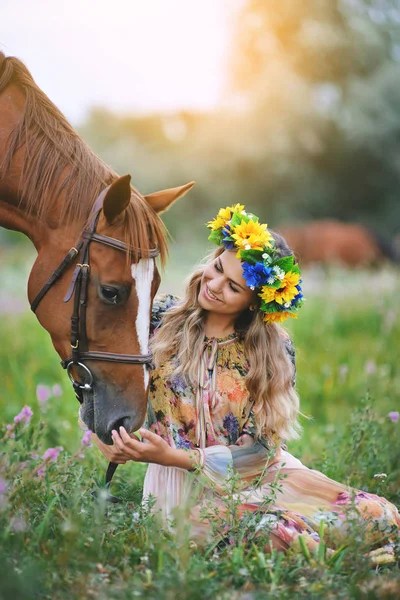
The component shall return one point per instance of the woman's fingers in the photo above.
(150, 436)
(126, 438)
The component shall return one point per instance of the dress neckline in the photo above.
(219, 340)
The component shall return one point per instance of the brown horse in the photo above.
(56, 191)
(331, 242)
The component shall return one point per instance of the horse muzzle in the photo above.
(104, 409)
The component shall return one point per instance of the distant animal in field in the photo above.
(330, 242)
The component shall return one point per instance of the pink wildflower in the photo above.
(18, 525)
(86, 438)
(3, 493)
(57, 390)
(52, 453)
(343, 372)
(10, 429)
(3, 486)
(25, 415)
(43, 393)
(370, 367)
(394, 416)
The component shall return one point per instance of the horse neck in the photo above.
(14, 213)
(15, 216)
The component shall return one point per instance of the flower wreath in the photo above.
(277, 280)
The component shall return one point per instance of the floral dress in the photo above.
(288, 499)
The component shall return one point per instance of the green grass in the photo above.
(58, 542)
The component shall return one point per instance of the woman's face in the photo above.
(223, 289)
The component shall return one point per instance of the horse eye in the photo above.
(110, 294)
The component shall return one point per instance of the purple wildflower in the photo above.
(3, 493)
(40, 473)
(56, 390)
(3, 486)
(394, 416)
(24, 415)
(10, 429)
(43, 393)
(86, 438)
(52, 453)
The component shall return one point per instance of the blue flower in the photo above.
(228, 244)
(226, 233)
(298, 297)
(256, 275)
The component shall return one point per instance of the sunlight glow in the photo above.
(127, 55)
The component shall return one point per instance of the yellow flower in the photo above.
(216, 223)
(286, 292)
(224, 215)
(235, 208)
(278, 317)
(252, 234)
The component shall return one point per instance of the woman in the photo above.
(222, 400)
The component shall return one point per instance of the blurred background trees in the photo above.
(308, 128)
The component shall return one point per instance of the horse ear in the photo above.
(163, 199)
(117, 198)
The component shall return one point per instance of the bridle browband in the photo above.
(79, 289)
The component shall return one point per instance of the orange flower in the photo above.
(278, 317)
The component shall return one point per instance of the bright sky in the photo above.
(128, 55)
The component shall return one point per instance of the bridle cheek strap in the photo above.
(78, 290)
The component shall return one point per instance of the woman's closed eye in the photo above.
(219, 269)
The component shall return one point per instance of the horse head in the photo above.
(79, 215)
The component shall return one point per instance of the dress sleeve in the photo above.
(249, 462)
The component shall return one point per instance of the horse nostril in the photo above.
(123, 422)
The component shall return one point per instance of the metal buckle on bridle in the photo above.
(85, 385)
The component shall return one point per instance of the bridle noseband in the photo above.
(79, 289)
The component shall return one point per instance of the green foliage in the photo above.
(57, 541)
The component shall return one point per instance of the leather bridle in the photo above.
(79, 289)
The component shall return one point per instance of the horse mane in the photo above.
(58, 160)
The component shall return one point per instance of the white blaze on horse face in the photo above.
(143, 273)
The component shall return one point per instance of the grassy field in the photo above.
(57, 541)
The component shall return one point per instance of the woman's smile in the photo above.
(209, 294)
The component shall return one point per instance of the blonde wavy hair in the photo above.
(269, 380)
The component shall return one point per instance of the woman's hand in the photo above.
(152, 450)
(245, 440)
(112, 453)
